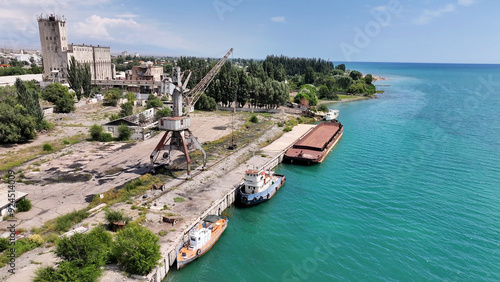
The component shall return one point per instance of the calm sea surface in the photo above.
(410, 193)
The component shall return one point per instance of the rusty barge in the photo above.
(315, 146)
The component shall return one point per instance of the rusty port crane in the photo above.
(177, 134)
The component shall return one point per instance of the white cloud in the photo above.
(126, 31)
(380, 8)
(428, 15)
(466, 2)
(128, 15)
(278, 19)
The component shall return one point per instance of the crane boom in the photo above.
(195, 93)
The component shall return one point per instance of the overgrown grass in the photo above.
(20, 247)
(62, 223)
(13, 159)
(178, 199)
(130, 189)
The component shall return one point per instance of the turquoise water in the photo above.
(410, 193)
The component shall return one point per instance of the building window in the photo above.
(111, 129)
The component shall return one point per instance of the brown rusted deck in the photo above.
(316, 144)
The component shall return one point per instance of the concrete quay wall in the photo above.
(274, 151)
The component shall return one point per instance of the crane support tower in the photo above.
(177, 135)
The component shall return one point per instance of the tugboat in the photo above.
(259, 186)
(201, 238)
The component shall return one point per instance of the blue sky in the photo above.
(440, 31)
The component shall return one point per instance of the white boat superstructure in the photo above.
(331, 115)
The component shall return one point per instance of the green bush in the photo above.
(23, 205)
(165, 112)
(47, 147)
(68, 271)
(124, 132)
(113, 117)
(95, 132)
(105, 137)
(323, 108)
(112, 96)
(254, 119)
(4, 244)
(84, 249)
(127, 109)
(154, 103)
(115, 216)
(137, 249)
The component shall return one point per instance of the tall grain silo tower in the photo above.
(54, 45)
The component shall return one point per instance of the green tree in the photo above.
(111, 96)
(127, 109)
(124, 132)
(340, 67)
(28, 98)
(59, 95)
(205, 103)
(75, 77)
(15, 123)
(309, 75)
(137, 249)
(355, 75)
(86, 80)
(130, 97)
(165, 112)
(344, 82)
(368, 79)
(96, 131)
(323, 92)
(357, 88)
(153, 102)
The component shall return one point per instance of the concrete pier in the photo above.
(267, 158)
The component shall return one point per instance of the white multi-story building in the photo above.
(57, 53)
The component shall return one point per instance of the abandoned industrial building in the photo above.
(57, 52)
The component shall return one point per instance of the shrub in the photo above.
(105, 137)
(154, 103)
(254, 119)
(95, 131)
(115, 216)
(127, 109)
(47, 147)
(137, 249)
(112, 96)
(113, 117)
(37, 239)
(84, 249)
(323, 108)
(68, 271)
(23, 205)
(165, 112)
(124, 132)
(4, 244)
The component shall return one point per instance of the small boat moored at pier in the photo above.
(259, 186)
(201, 238)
